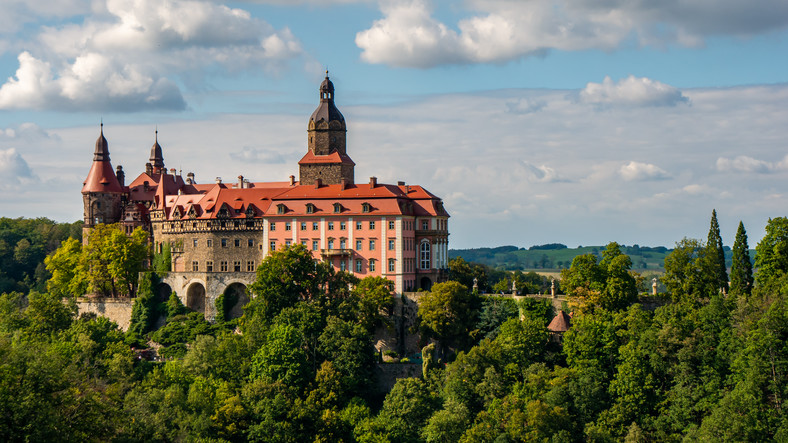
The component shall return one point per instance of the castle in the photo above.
(218, 233)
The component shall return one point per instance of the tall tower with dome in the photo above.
(326, 159)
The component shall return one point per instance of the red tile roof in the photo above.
(101, 178)
(334, 157)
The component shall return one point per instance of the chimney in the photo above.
(318, 183)
(218, 180)
(292, 180)
(344, 183)
(400, 183)
(148, 168)
(373, 181)
(190, 178)
(172, 171)
(121, 176)
(240, 182)
(146, 186)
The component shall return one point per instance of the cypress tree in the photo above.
(741, 268)
(716, 254)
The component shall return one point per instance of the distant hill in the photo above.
(558, 256)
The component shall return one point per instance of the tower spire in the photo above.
(156, 157)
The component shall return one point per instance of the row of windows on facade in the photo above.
(425, 225)
(224, 265)
(315, 243)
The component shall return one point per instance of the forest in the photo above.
(707, 362)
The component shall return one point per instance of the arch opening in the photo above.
(235, 298)
(163, 291)
(425, 284)
(195, 297)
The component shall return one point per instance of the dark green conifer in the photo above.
(741, 268)
(716, 254)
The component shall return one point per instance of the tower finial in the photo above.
(102, 125)
(156, 136)
(326, 72)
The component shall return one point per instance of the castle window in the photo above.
(425, 224)
(223, 266)
(288, 242)
(331, 244)
(342, 226)
(392, 242)
(392, 265)
(310, 208)
(391, 225)
(366, 207)
(250, 266)
(250, 212)
(194, 242)
(371, 265)
(342, 243)
(359, 226)
(358, 244)
(303, 243)
(273, 245)
(237, 242)
(314, 245)
(287, 226)
(237, 266)
(424, 253)
(250, 243)
(303, 226)
(209, 243)
(195, 266)
(337, 208)
(314, 226)
(343, 265)
(273, 226)
(281, 208)
(358, 265)
(330, 226)
(372, 245)
(209, 266)
(371, 225)
(224, 242)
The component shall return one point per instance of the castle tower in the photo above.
(156, 157)
(327, 157)
(102, 193)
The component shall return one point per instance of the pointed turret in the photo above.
(102, 193)
(156, 157)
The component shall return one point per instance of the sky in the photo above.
(536, 121)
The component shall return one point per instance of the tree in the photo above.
(771, 254)
(374, 301)
(608, 284)
(716, 254)
(463, 272)
(688, 276)
(741, 267)
(69, 276)
(282, 357)
(449, 312)
(283, 278)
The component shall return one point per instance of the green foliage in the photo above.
(608, 284)
(494, 312)
(144, 312)
(771, 258)
(162, 262)
(69, 276)
(282, 358)
(374, 301)
(716, 253)
(688, 273)
(741, 266)
(47, 313)
(174, 307)
(449, 313)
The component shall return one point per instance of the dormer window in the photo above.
(192, 213)
(249, 212)
(310, 208)
(337, 208)
(366, 207)
(222, 212)
(281, 209)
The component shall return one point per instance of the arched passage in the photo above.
(163, 291)
(235, 298)
(195, 297)
(425, 283)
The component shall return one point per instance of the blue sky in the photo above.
(536, 121)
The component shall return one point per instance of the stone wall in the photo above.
(387, 374)
(117, 310)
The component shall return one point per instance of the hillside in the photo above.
(558, 256)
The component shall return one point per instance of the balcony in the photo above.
(336, 252)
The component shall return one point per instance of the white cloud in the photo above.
(503, 30)
(525, 106)
(637, 171)
(14, 170)
(743, 163)
(130, 56)
(16, 13)
(258, 155)
(631, 91)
